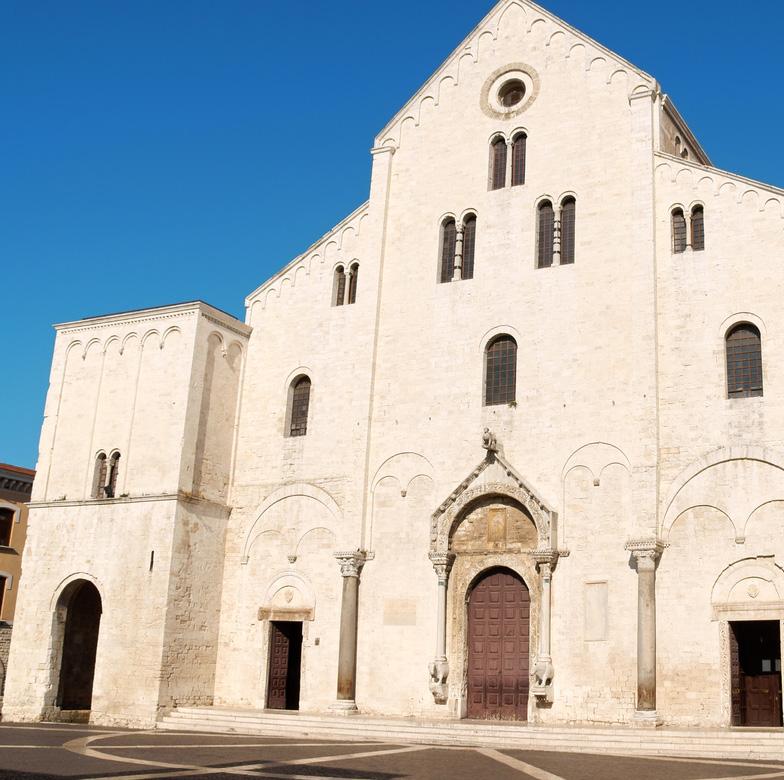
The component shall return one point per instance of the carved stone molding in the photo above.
(351, 563)
(442, 563)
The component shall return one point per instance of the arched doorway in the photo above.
(80, 641)
(499, 616)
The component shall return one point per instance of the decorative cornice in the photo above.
(187, 498)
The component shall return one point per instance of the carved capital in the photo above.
(442, 564)
(351, 563)
(645, 552)
(546, 560)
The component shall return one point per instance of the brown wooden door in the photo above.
(285, 660)
(499, 611)
(756, 673)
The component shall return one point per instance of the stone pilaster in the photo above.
(439, 668)
(645, 553)
(544, 671)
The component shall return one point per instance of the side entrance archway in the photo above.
(285, 665)
(499, 616)
(80, 642)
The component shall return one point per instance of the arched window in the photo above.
(299, 404)
(469, 246)
(744, 361)
(99, 476)
(518, 159)
(114, 470)
(568, 219)
(498, 164)
(353, 276)
(500, 371)
(339, 286)
(448, 240)
(544, 235)
(6, 526)
(678, 231)
(698, 229)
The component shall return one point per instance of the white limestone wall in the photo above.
(110, 545)
(721, 459)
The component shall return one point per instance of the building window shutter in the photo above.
(448, 241)
(698, 229)
(544, 238)
(744, 361)
(300, 405)
(678, 231)
(500, 371)
(498, 164)
(518, 159)
(469, 246)
(568, 223)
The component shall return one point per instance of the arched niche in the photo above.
(289, 597)
(493, 523)
(751, 589)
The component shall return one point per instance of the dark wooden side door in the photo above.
(499, 611)
(285, 661)
(756, 673)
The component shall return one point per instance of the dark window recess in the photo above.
(568, 219)
(3, 583)
(697, 229)
(352, 285)
(114, 471)
(511, 93)
(99, 476)
(498, 164)
(518, 159)
(6, 526)
(300, 403)
(469, 246)
(544, 249)
(501, 371)
(744, 362)
(679, 237)
(448, 240)
(340, 285)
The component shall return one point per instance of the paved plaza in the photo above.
(73, 751)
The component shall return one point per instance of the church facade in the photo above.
(507, 443)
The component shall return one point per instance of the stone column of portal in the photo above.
(458, 272)
(439, 668)
(544, 672)
(645, 553)
(351, 564)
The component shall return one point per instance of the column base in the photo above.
(646, 719)
(344, 707)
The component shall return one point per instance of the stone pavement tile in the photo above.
(579, 766)
(35, 735)
(56, 763)
(173, 737)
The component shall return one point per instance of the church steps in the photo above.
(693, 743)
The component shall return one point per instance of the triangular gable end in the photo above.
(501, 479)
(537, 18)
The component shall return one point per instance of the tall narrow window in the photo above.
(352, 283)
(544, 235)
(744, 361)
(698, 229)
(678, 231)
(6, 526)
(300, 404)
(498, 164)
(448, 240)
(114, 470)
(469, 246)
(568, 219)
(3, 583)
(500, 371)
(339, 286)
(99, 476)
(518, 159)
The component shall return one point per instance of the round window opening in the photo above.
(511, 93)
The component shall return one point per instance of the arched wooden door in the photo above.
(80, 642)
(499, 616)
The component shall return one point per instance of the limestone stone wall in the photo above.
(5, 647)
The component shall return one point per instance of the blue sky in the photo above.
(153, 152)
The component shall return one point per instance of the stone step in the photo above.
(693, 743)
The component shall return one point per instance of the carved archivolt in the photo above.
(749, 584)
(452, 510)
